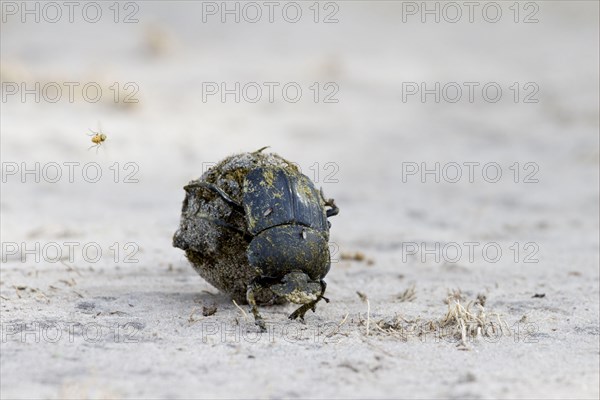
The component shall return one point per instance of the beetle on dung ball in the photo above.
(256, 228)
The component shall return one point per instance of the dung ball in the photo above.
(207, 229)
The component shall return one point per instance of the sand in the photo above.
(136, 321)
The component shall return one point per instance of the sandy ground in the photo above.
(129, 323)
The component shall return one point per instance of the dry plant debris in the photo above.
(408, 295)
(356, 256)
(363, 297)
(207, 311)
(241, 309)
(454, 295)
(460, 323)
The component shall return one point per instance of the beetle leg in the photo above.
(323, 288)
(219, 191)
(258, 320)
(299, 313)
(334, 210)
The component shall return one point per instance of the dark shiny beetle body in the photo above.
(288, 234)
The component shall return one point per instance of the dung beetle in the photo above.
(287, 231)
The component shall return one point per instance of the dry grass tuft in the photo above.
(408, 295)
(460, 323)
(454, 295)
(463, 322)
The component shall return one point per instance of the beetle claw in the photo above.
(261, 325)
(299, 314)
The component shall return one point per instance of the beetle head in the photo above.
(297, 287)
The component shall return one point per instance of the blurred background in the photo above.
(173, 86)
(161, 69)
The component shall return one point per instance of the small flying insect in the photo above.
(97, 138)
